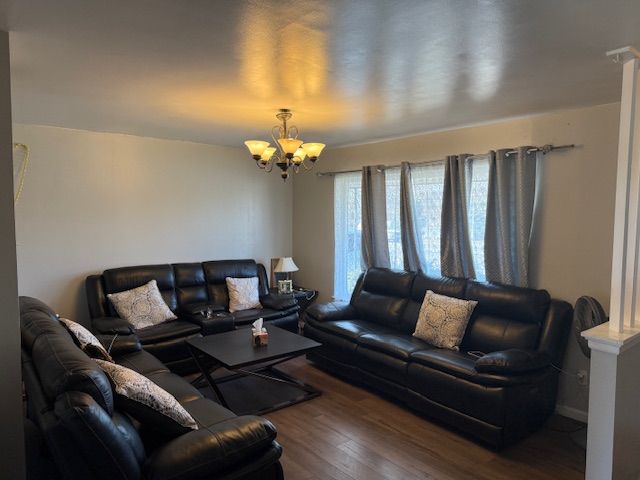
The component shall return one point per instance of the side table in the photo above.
(305, 297)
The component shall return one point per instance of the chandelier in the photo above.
(290, 153)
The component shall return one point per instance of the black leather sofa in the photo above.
(497, 399)
(186, 288)
(71, 401)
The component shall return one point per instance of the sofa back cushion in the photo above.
(505, 317)
(450, 287)
(383, 296)
(191, 286)
(217, 271)
(60, 364)
(126, 278)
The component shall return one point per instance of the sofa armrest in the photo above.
(512, 361)
(199, 307)
(118, 345)
(278, 302)
(218, 323)
(326, 312)
(208, 451)
(111, 326)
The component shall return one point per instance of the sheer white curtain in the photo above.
(394, 233)
(347, 233)
(427, 189)
(477, 211)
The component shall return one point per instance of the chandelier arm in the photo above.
(269, 166)
(280, 132)
(293, 132)
(304, 164)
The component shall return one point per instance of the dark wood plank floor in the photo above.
(350, 433)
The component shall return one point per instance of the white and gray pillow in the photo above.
(143, 306)
(86, 340)
(443, 320)
(243, 293)
(145, 401)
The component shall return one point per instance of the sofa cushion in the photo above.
(488, 333)
(207, 412)
(396, 344)
(516, 303)
(462, 365)
(125, 278)
(350, 329)
(217, 271)
(513, 361)
(384, 281)
(191, 286)
(243, 293)
(247, 316)
(383, 296)
(382, 309)
(182, 390)
(86, 340)
(167, 331)
(451, 287)
(63, 367)
(147, 402)
(443, 320)
(142, 362)
(142, 306)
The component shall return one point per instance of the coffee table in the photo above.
(235, 351)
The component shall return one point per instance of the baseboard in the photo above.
(574, 413)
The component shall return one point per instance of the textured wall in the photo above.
(95, 200)
(572, 244)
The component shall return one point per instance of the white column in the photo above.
(613, 442)
(624, 274)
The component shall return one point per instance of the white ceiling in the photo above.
(351, 70)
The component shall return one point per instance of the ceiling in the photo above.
(352, 70)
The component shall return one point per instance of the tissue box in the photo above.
(260, 338)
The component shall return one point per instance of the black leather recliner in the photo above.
(186, 288)
(497, 399)
(71, 401)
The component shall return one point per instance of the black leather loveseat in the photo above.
(71, 401)
(499, 399)
(186, 288)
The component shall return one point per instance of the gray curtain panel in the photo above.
(375, 244)
(510, 203)
(455, 247)
(411, 248)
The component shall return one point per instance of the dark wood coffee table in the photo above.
(235, 352)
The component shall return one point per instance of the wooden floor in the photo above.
(350, 433)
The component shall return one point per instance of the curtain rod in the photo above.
(544, 149)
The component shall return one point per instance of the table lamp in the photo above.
(285, 265)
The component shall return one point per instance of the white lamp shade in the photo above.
(285, 264)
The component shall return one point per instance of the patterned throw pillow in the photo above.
(87, 342)
(243, 293)
(145, 401)
(443, 320)
(143, 306)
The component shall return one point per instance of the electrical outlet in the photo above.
(583, 378)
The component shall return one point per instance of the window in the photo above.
(394, 235)
(347, 233)
(477, 211)
(428, 186)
